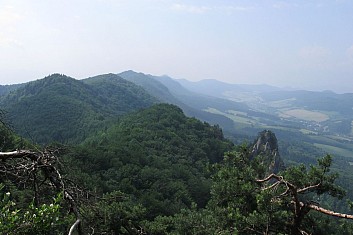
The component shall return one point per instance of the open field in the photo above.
(308, 132)
(335, 150)
(247, 97)
(332, 144)
(282, 103)
(340, 138)
(329, 140)
(236, 118)
(274, 128)
(237, 113)
(304, 115)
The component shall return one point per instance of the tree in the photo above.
(295, 187)
(30, 219)
(245, 201)
(36, 171)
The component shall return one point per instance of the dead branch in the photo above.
(309, 188)
(77, 222)
(329, 212)
(19, 154)
(25, 169)
(277, 177)
(272, 185)
(300, 209)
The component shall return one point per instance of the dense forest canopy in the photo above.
(63, 109)
(157, 171)
(166, 153)
(120, 161)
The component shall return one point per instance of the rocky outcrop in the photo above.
(267, 146)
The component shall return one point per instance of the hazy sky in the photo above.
(304, 44)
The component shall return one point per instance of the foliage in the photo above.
(244, 202)
(60, 108)
(28, 203)
(253, 207)
(158, 155)
(5, 89)
(116, 212)
(156, 171)
(31, 219)
(188, 221)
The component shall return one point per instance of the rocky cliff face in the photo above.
(267, 145)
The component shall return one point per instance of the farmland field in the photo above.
(335, 150)
(305, 115)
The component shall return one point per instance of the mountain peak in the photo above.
(131, 73)
(53, 79)
(56, 76)
(66, 105)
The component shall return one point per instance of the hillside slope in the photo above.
(158, 155)
(220, 89)
(152, 86)
(6, 89)
(60, 108)
(193, 104)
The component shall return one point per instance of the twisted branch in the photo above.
(29, 163)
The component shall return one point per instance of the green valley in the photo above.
(141, 154)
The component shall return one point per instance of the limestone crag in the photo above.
(267, 145)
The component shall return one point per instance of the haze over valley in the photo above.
(323, 120)
(175, 117)
(303, 45)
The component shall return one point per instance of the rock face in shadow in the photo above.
(267, 145)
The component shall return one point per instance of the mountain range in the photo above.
(123, 138)
(63, 109)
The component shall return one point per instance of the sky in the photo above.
(304, 44)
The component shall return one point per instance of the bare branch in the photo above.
(277, 177)
(19, 154)
(272, 185)
(329, 212)
(25, 169)
(300, 209)
(77, 222)
(308, 188)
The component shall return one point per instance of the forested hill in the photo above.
(156, 171)
(151, 85)
(10, 140)
(60, 108)
(169, 91)
(5, 89)
(117, 95)
(158, 155)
